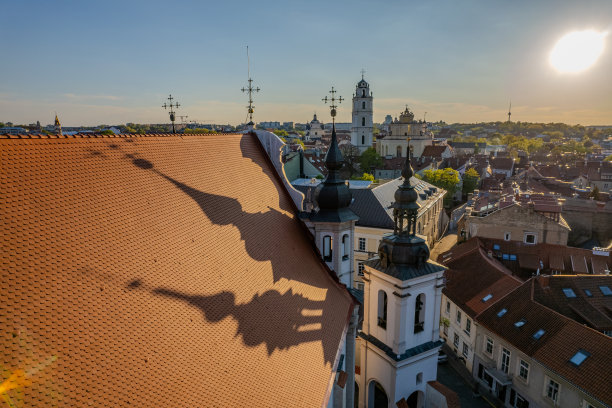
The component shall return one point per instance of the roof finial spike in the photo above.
(363, 71)
(334, 159)
(250, 89)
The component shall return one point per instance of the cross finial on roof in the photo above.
(363, 71)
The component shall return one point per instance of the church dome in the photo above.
(362, 84)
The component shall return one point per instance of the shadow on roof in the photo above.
(291, 319)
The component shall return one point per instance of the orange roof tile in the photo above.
(159, 270)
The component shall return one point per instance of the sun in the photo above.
(577, 51)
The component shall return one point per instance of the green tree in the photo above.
(447, 178)
(351, 159)
(470, 180)
(2, 124)
(197, 131)
(107, 132)
(298, 141)
(370, 160)
(365, 176)
(281, 133)
(609, 158)
(595, 193)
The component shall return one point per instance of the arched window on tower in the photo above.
(363, 121)
(382, 309)
(362, 105)
(345, 247)
(363, 93)
(327, 248)
(362, 139)
(399, 151)
(419, 313)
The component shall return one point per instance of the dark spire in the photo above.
(405, 206)
(333, 196)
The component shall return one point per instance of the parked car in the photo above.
(442, 357)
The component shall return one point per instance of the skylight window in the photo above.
(520, 323)
(539, 334)
(502, 312)
(488, 297)
(605, 290)
(496, 247)
(579, 357)
(588, 293)
(570, 293)
(506, 257)
(513, 257)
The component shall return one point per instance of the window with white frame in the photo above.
(459, 317)
(468, 325)
(505, 360)
(524, 370)
(466, 349)
(362, 244)
(345, 247)
(489, 346)
(507, 236)
(552, 390)
(530, 238)
(360, 268)
(456, 340)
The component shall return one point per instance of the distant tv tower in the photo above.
(250, 89)
(509, 111)
(171, 106)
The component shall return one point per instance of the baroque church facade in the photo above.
(395, 144)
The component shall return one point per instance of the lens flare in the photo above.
(577, 51)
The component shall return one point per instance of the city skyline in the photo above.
(114, 63)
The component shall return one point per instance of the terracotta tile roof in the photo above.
(559, 258)
(141, 269)
(561, 340)
(434, 151)
(588, 306)
(472, 277)
(502, 163)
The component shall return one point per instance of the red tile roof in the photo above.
(434, 151)
(452, 399)
(474, 275)
(562, 339)
(147, 271)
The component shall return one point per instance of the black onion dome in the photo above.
(405, 195)
(333, 193)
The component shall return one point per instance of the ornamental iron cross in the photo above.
(332, 103)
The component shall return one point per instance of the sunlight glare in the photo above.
(577, 51)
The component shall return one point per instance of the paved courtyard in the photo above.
(449, 377)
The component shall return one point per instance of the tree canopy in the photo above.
(470, 180)
(370, 160)
(447, 178)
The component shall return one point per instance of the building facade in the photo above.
(395, 144)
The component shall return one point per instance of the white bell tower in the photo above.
(363, 126)
(399, 342)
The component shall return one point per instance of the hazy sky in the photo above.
(114, 62)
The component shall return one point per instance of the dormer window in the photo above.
(579, 357)
(502, 312)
